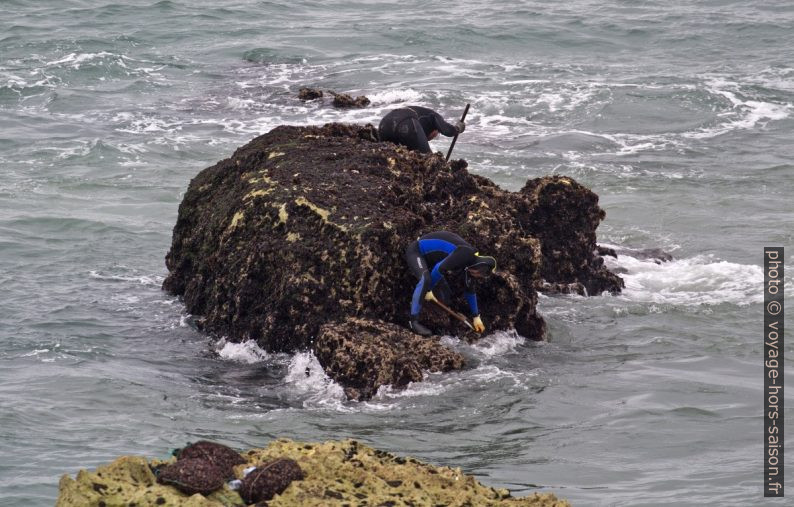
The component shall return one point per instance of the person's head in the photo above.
(433, 134)
(482, 267)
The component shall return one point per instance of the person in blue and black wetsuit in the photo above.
(437, 255)
(414, 126)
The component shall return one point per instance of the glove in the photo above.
(430, 296)
(460, 126)
(479, 327)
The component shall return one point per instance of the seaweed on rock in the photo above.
(296, 241)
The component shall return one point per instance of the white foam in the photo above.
(389, 97)
(75, 59)
(498, 343)
(143, 280)
(699, 280)
(412, 390)
(306, 375)
(775, 78)
(244, 352)
(746, 113)
(488, 373)
(240, 104)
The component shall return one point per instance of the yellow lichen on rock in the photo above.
(282, 215)
(257, 193)
(336, 473)
(302, 201)
(129, 481)
(236, 219)
(350, 472)
(322, 213)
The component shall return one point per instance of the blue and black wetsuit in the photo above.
(411, 126)
(434, 256)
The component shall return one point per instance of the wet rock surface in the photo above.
(333, 473)
(297, 240)
(364, 354)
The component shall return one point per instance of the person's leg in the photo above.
(415, 260)
(418, 267)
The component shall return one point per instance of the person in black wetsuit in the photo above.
(414, 126)
(437, 255)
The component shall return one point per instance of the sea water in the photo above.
(679, 115)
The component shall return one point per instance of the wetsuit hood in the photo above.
(483, 265)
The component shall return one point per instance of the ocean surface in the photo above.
(679, 115)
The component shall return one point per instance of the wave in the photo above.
(699, 280)
(150, 280)
(245, 352)
(305, 376)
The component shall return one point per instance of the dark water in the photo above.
(680, 116)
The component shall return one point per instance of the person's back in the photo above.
(414, 126)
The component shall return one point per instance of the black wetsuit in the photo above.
(410, 126)
(431, 258)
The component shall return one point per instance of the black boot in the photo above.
(418, 328)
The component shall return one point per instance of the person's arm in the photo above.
(471, 298)
(442, 126)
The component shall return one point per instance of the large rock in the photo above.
(297, 242)
(334, 473)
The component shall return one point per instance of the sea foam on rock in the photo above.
(297, 240)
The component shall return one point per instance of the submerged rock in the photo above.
(297, 242)
(345, 101)
(310, 94)
(341, 100)
(333, 473)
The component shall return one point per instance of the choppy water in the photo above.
(680, 116)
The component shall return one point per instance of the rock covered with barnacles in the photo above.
(289, 473)
(297, 240)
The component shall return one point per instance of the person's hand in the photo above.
(479, 327)
(430, 296)
(460, 126)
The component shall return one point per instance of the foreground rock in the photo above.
(333, 474)
(297, 242)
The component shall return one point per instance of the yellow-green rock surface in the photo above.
(337, 473)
